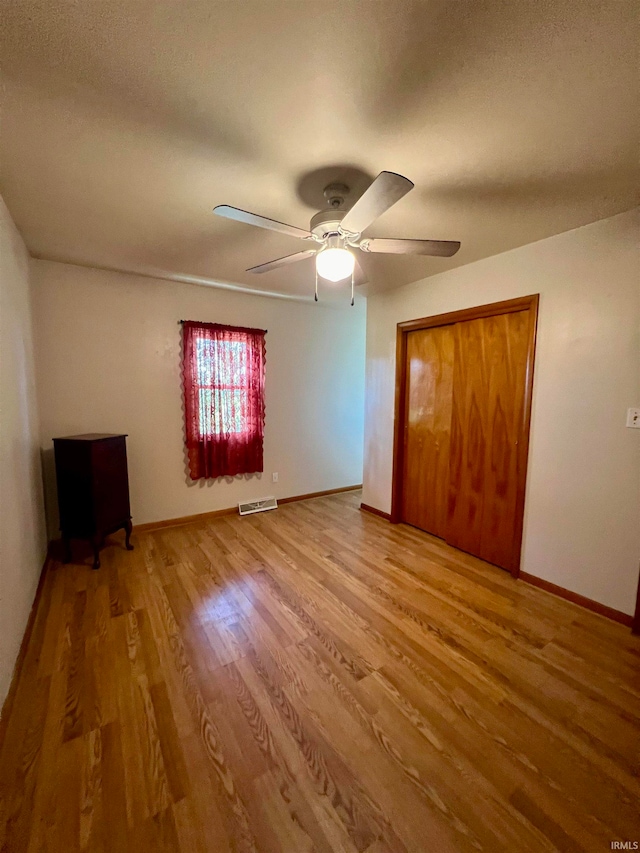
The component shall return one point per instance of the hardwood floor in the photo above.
(316, 679)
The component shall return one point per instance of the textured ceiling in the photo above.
(124, 123)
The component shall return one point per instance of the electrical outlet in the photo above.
(633, 418)
(274, 476)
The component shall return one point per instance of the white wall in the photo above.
(108, 360)
(22, 536)
(582, 513)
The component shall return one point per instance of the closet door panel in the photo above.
(490, 369)
(506, 343)
(429, 378)
(469, 430)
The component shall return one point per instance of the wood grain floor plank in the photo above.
(65, 832)
(291, 800)
(206, 814)
(91, 816)
(172, 755)
(326, 802)
(129, 735)
(211, 741)
(18, 791)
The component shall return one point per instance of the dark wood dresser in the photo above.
(93, 489)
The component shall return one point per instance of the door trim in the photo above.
(509, 306)
(635, 625)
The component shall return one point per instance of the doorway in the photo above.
(463, 405)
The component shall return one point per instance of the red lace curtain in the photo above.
(223, 380)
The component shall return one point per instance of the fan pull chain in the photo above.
(352, 278)
(316, 296)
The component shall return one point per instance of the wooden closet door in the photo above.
(428, 396)
(489, 382)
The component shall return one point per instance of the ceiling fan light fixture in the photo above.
(335, 262)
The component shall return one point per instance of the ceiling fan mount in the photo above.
(338, 231)
(336, 194)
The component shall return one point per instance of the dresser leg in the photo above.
(95, 543)
(127, 535)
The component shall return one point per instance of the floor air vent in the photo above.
(261, 505)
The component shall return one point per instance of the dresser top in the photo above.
(92, 436)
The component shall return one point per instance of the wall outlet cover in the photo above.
(633, 418)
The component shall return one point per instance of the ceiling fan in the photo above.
(337, 231)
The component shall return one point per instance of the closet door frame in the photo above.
(522, 303)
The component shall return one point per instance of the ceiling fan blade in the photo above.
(385, 191)
(437, 248)
(261, 221)
(282, 262)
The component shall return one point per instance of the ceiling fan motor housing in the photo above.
(326, 222)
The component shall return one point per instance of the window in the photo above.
(223, 393)
(223, 379)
